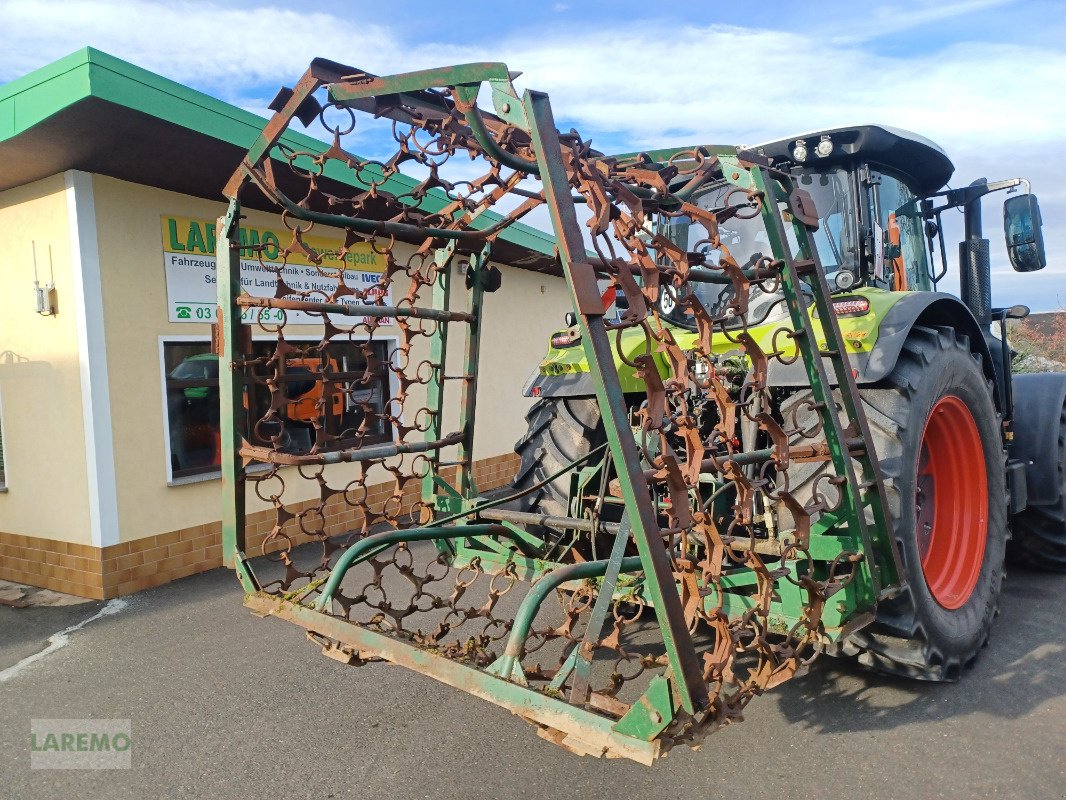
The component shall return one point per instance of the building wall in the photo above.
(518, 321)
(166, 529)
(40, 374)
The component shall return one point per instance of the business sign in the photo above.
(189, 263)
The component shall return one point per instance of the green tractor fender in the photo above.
(876, 338)
(891, 329)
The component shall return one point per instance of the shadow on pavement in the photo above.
(1023, 667)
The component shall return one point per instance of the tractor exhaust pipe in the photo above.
(975, 264)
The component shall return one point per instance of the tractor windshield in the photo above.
(836, 240)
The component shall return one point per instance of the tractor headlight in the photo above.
(799, 151)
(824, 148)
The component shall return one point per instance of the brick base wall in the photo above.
(132, 566)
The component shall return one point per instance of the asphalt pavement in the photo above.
(226, 705)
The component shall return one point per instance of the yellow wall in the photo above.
(519, 319)
(40, 379)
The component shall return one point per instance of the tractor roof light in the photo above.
(851, 306)
(824, 148)
(799, 151)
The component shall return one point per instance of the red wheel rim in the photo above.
(951, 503)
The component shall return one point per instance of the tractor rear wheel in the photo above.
(560, 430)
(935, 432)
(1040, 530)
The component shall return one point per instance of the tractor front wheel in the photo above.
(936, 435)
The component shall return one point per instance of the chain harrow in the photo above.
(722, 457)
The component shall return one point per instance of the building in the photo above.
(110, 179)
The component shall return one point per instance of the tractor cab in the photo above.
(878, 192)
(868, 183)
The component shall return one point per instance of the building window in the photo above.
(355, 415)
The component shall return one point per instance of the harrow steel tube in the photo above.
(584, 652)
(550, 581)
(752, 457)
(529, 518)
(701, 275)
(370, 545)
(349, 455)
(499, 501)
(313, 307)
(401, 230)
(472, 115)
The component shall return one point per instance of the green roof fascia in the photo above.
(88, 72)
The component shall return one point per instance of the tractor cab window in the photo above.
(837, 237)
(747, 242)
(900, 258)
(744, 235)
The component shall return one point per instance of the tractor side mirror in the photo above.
(1022, 229)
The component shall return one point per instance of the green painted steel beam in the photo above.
(581, 279)
(593, 731)
(438, 354)
(478, 272)
(455, 75)
(375, 543)
(651, 714)
(851, 511)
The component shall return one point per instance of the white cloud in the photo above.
(885, 20)
(725, 83)
(221, 49)
(994, 107)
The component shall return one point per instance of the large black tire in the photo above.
(560, 430)
(914, 635)
(1039, 539)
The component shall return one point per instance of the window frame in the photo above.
(391, 342)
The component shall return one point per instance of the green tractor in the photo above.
(965, 484)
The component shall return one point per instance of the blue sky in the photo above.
(983, 78)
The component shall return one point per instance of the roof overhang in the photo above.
(93, 112)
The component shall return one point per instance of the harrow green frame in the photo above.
(859, 524)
